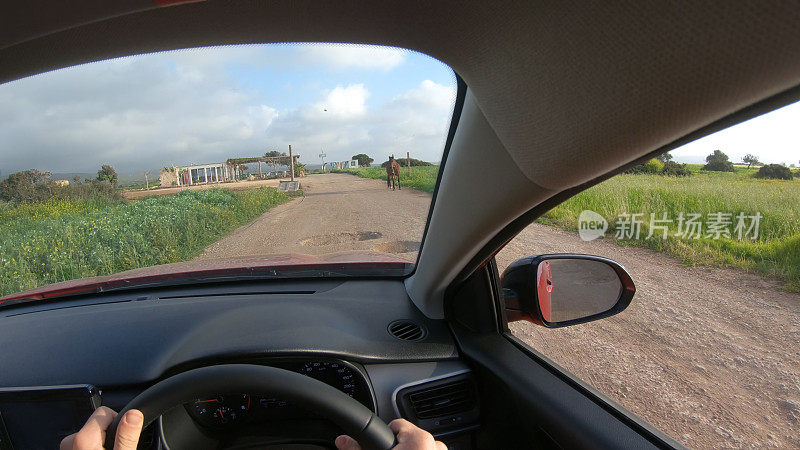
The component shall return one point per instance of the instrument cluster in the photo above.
(225, 410)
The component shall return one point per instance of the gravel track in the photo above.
(338, 212)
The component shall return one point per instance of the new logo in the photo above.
(591, 225)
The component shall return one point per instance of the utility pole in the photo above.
(322, 157)
(146, 181)
(408, 162)
(291, 162)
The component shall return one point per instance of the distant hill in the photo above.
(135, 179)
(70, 175)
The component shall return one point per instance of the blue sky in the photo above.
(287, 86)
(206, 105)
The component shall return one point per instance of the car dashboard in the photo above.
(363, 337)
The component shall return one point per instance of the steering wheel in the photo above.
(351, 416)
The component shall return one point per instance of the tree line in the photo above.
(717, 161)
(37, 186)
(365, 160)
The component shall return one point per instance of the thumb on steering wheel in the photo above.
(128, 431)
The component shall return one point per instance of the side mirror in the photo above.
(564, 289)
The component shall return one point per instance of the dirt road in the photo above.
(339, 212)
(710, 356)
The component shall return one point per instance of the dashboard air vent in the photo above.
(443, 400)
(406, 330)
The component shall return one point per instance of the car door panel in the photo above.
(548, 406)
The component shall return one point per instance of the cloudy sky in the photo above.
(207, 105)
(773, 137)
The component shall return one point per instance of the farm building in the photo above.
(350, 164)
(198, 174)
(230, 170)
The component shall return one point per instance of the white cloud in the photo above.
(414, 121)
(417, 120)
(341, 103)
(428, 94)
(340, 57)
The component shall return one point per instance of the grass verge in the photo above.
(423, 178)
(42, 243)
(776, 251)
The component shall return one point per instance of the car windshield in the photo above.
(220, 157)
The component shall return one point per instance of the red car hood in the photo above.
(249, 266)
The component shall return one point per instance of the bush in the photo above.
(34, 186)
(719, 166)
(718, 162)
(651, 166)
(91, 189)
(107, 173)
(26, 186)
(774, 172)
(673, 169)
(664, 157)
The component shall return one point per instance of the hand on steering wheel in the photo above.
(93, 434)
(409, 437)
(348, 414)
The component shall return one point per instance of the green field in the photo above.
(422, 178)
(776, 252)
(58, 240)
(739, 170)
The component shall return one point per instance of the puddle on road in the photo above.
(340, 238)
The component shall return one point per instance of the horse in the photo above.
(392, 173)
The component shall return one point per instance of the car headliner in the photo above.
(560, 92)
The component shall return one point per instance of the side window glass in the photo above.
(709, 349)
